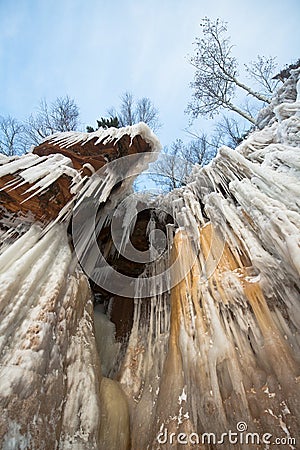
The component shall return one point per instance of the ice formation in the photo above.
(204, 338)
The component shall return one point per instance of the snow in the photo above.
(183, 396)
(40, 333)
(40, 172)
(106, 136)
(18, 440)
(107, 346)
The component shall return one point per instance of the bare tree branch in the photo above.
(216, 76)
(229, 131)
(131, 112)
(262, 71)
(61, 115)
(11, 136)
(172, 170)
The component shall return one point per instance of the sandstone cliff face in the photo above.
(198, 334)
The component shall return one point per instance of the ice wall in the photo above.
(213, 344)
(49, 367)
(222, 346)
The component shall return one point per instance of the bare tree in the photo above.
(127, 114)
(146, 112)
(229, 131)
(11, 136)
(173, 168)
(132, 111)
(216, 76)
(61, 115)
(200, 150)
(262, 71)
(170, 170)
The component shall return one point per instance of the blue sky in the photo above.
(95, 50)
